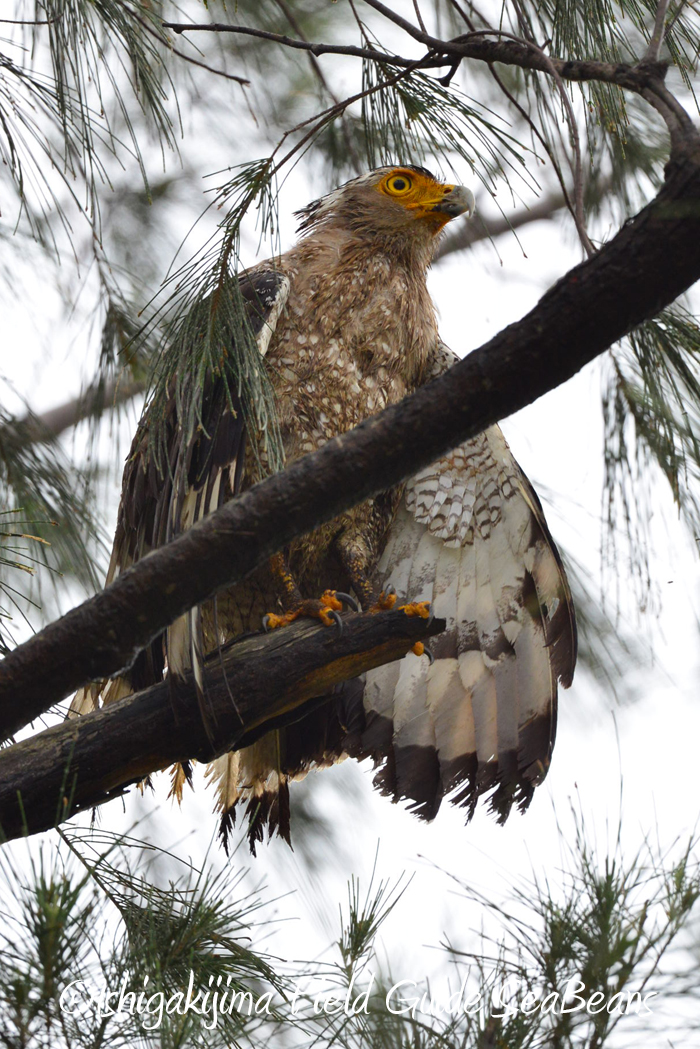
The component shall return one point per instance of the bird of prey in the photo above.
(346, 326)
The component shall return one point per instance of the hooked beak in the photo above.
(456, 201)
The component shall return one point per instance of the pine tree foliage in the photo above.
(78, 58)
(651, 408)
(51, 523)
(423, 120)
(90, 914)
(205, 332)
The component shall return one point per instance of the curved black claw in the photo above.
(347, 600)
(336, 617)
(429, 654)
(390, 590)
(265, 624)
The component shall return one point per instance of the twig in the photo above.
(19, 21)
(181, 54)
(677, 15)
(463, 14)
(419, 16)
(287, 41)
(291, 18)
(315, 65)
(320, 119)
(210, 69)
(657, 36)
(420, 34)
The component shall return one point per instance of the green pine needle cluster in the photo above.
(48, 520)
(410, 117)
(652, 418)
(204, 331)
(99, 910)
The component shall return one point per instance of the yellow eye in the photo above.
(398, 184)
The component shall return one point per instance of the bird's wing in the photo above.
(165, 495)
(472, 539)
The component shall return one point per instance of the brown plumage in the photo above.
(347, 326)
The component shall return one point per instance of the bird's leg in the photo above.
(291, 595)
(358, 559)
(358, 553)
(327, 608)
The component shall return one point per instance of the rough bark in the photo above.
(258, 683)
(651, 260)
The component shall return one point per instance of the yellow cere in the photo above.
(415, 191)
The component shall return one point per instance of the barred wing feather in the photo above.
(472, 540)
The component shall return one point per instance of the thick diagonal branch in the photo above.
(652, 259)
(253, 686)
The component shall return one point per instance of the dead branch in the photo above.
(254, 685)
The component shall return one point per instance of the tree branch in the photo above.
(256, 684)
(287, 41)
(657, 37)
(645, 78)
(651, 260)
(51, 424)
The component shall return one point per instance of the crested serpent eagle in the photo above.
(346, 326)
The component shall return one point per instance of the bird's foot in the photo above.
(422, 609)
(417, 608)
(388, 598)
(386, 601)
(327, 609)
(419, 649)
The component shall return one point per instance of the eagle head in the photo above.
(405, 203)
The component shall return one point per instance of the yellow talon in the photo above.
(385, 602)
(330, 601)
(418, 608)
(272, 621)
(321, 609)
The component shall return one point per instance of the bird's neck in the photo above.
(411, 251)
(371, 302)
